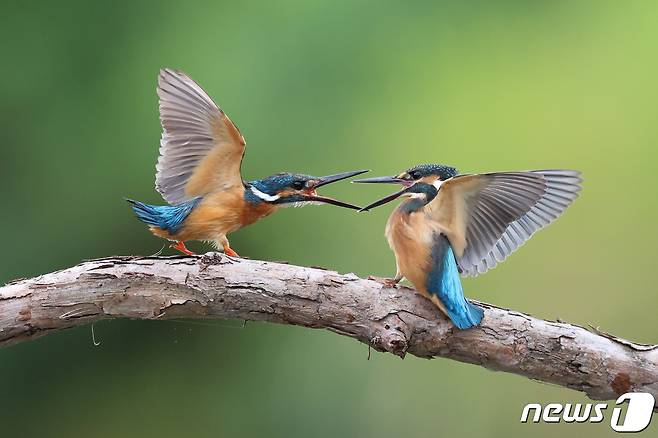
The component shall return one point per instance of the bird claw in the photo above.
(233, 259)
(180, 246)
(387, 282)
(230, 252)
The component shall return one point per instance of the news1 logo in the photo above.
(638, 412)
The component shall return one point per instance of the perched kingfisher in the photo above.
(454, 224)
(198, 173)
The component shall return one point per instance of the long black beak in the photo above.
(384, 180)
(380, 180)
(385, 200)
(324, 180)
(332, 201)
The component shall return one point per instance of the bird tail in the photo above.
(167, 217)
(473, 314)
(445, 283)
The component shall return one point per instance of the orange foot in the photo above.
(180, 246)
(229, 252)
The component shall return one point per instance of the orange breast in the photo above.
(251, 213)
(217, 215)
(410, 236)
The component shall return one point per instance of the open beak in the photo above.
(312, 196)
(385, 180)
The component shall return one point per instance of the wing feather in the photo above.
(489, 216)
(201, 149)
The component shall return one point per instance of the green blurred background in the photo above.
(320, 87)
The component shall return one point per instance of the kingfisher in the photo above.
(453, 224)
(198, 173)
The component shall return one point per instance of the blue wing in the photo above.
(444, 282)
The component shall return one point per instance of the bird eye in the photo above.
(297, 185)
(415, 174)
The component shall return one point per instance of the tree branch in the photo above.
(393, 320)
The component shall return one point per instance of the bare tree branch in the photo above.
(394, 320)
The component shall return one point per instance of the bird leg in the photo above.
(229, 252)
(180, 246)
(388, 282)
(223, 242)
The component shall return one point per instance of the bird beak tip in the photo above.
(360, 172)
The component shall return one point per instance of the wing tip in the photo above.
(565, 183)
(561, 173)
(178, 85)
(171, 72)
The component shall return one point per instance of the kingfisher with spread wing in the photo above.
(198, 173)
(454, 224)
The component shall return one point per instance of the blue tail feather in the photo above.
(445, 283)
(168, 217)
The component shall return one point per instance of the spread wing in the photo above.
(201, 149)
(488, 216)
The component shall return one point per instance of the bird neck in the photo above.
(254, 193)
(421, 195)
(251, 212)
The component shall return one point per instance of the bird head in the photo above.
(419, 182)
(286, 189)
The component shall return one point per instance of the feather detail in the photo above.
(201, 149)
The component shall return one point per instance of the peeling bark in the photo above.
(388, 319)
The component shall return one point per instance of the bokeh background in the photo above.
(320, 87)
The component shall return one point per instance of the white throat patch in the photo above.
(263, 196)
(438, 183)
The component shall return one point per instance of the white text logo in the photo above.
(638, 412)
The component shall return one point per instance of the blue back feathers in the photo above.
(444, 282)
(168, 217)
